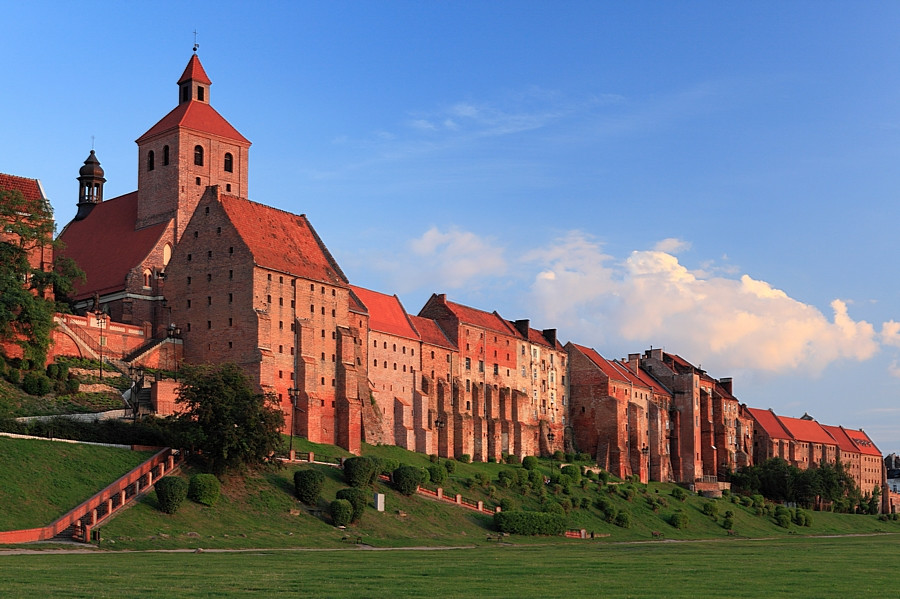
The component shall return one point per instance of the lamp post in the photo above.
(550, 438)
(645, 452)
(292, 395)
(174, 332)
(439, 425)
(101, 322)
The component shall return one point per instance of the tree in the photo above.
(26, 286)
(232, 425)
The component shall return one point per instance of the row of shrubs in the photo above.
(171, 491)
(39, 382)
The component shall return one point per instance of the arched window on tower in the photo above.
(229, 163)
(147, 278)
(198, 155)
(150, 163)
(165, 155)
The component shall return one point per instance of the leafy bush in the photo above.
(407, 479)
(450, 466)
(512, 459)
(529, 462)
(308, 485)
(433, 457)
(536, 478)
(171, 491)
(570, 457)
(507, 478)
(385, 465)
(437, 473)
(604, 476)
(559, 456)
(13, 376)
(341, 512)
(359, 471)
(72, 385)
(464, 458)
(566, 504)
(758, 500)
(679, 520)
(746, 501)
(358, 498)
(623, 519)
(583, 457)
(627, 493)
(53, 371)
(36, 383)
(679, 494)
(802, 518)
(710, 509)
(530, 523)
(204, 489)
(573, 472)
(728, 523)
(783, 520)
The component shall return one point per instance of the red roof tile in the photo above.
(430, 332)
(386, 313)
(196, 116)
(769, 423)
(490, 321)
(841, 439)
(808, 431)
(282, 241)
(106, 246)
(30, 188)
(194, 70)
(862, 440)
(647, 380)
(605, 366)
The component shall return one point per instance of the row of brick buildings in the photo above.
(254, 285)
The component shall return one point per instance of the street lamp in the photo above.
(101, 322)
(550, 438)
(174, 332)
(292, 394)
(439, 425)
(645, 451)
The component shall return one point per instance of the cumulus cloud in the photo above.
(651, 298)
(672, 245)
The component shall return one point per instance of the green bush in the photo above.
(570, 457)
(72, 385)
(679, 520)
(623, 519)
(464, 458)
(627, 493)
(604, 476)
(566, 504)
(802, 518)
(758, 500)
(559, 456)
(573, 472)
(728, 523)
(385, 466)
(437, 474)
(679, 494)
(341, 512)
(13, 376)
(171, 491)
(450, 466)
(36, 383)
(710, 509)
(512, 459)
(359, 471)
(358, 498)
(530, 523)
(747, 501)
(53, 371)
(308, 485)
(507, 478)
(204, 489)
(433, 457)
(783, 520)
(407, 479)
(583, 457)
(529, 462)
(506, 504)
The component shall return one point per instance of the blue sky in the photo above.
(719, 179)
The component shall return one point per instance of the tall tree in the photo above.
(232, 425)
(26, 287)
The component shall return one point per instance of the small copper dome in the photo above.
(91, 167)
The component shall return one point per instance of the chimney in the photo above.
(550, 336)
(634, 362)
(727, 384)
(522, 327)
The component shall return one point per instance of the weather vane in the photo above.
(196, 45)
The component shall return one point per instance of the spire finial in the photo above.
(196, 45)
(92, 142)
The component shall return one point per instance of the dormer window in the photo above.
(198, 155)
(229, 163)
(150, 163)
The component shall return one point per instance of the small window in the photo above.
(268, 299)
(230, 297)
(198, 155)
(189, 280)
(208, 324)
(269, 276)
(200, 92)
(150, 164)
(185, 93)
(230, 322)
(209, 254)
(229, 163)
(230, 274)
(197, 181)
(165, 155)
(280, 301)
(189, 303)
(209, 300)
(228, 187)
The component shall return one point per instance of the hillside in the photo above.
(260, 511)
(44, 479)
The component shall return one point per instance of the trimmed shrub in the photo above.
(437, 473)
(583, 457)
(758, 500)
(171, 492)
(559, 456)
(783, 520)
(627, 493)
(747, 501)
(464, 458)
(802, 518)
(529, 462)
(53, 371)
(679, 494)
(507, 478)
(385, 466)
(341, 512)
(530, 523)
(604, 476)
(573, 472)
(204, 489)
(728, 523)
(570, 457)
(450, 466)
(433, 457)
(358, 498)
(13, 376)
(482, 478)
(407, 479)
(585, 503)
(359, 471)
(679, 520)
(36, 383)
(710, 509)
(308, 485)
(72, 385)
(623, 519)
(512, 459)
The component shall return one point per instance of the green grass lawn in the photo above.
(787, 567)
(41, 480)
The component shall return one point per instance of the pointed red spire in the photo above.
(194, 72)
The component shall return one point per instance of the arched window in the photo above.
(167, 254)
(150, 164)
(165, 155)
(147, 277)
(198, 155)
(229, 163)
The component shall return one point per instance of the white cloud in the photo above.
(672, 245)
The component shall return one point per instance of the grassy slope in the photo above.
(41, 480)
(257, 512)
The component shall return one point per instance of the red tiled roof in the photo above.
(106, 246)
(863, 442)
(769, 423)
(386, 313)
(430, 332)
(487, 320)
(197, 116)
(647, 380)
(282, 241)
(30, 188)
(605, 365)
(808, 431)
(194, 70)
(841, 439)
(356, 304)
